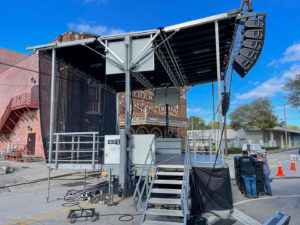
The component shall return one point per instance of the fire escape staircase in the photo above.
(19, 108)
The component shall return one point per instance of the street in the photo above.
(26, 204)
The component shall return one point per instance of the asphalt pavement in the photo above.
(26, 204)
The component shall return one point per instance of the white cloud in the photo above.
(272, 86)
(197, 111)
(96, 29)
(291, 54)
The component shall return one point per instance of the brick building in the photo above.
(20, 123)
(150, 119)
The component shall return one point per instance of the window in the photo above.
(94, 100)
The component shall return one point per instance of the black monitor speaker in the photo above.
(253, 36)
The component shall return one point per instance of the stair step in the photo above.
(151, 222)
(164, 212)
(166, 191)
(164, 173)
(165, 166)
(171, 182)
(165, 201)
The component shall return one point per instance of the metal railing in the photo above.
(204, 157)
(186, 182)
(76, 148)
(16, 102)
(137, 192)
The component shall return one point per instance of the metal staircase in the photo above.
(167, 199)
(18, 108)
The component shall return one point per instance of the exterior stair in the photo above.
(163, 205)
(19, 108)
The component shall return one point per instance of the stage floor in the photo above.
(198, 159)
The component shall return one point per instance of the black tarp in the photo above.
(216, 195)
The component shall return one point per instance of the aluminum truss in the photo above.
(167, 68)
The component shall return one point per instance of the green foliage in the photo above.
(293, 89)
(198, 123)
(234, 150)
(271, 148)
(293, 127)
(210, 126)
(259, 113)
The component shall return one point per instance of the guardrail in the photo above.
(137, 192)
(76, 148)
(186, 182)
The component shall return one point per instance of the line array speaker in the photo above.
(253, 36)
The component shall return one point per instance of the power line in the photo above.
(48, 74)
(15, 43)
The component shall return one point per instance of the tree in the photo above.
(293, 89)
(258, 114)
(198, 123)
(210, 126)
(293, 127)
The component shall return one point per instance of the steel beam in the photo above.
(105, 57)
(13, 122)
(19, 116)
(145, 47)
(167, 68)
(52, 106)
(142, 80)
(111, 52)
(173, 59)
(9, 129)
(147, 54)
(125, 134)
(219, 88)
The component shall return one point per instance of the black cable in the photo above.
(221, 133)
(131, 216)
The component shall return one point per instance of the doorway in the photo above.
(31, 143)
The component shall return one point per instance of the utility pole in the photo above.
(286, 138)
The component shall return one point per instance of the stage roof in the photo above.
(185, 54)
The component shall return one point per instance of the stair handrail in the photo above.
(137, 191)
(17, 101)
(5, 114)
(185, 182)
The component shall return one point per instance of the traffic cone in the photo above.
(293, 166)
(280, 172)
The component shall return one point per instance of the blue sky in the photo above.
(33, 22)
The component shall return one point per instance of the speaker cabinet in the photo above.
(253, 36)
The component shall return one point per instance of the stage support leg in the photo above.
(51, 119)
(219, 89)
(125, 134)
(52, 105)
(49, 177)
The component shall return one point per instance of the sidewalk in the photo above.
(26, 172)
